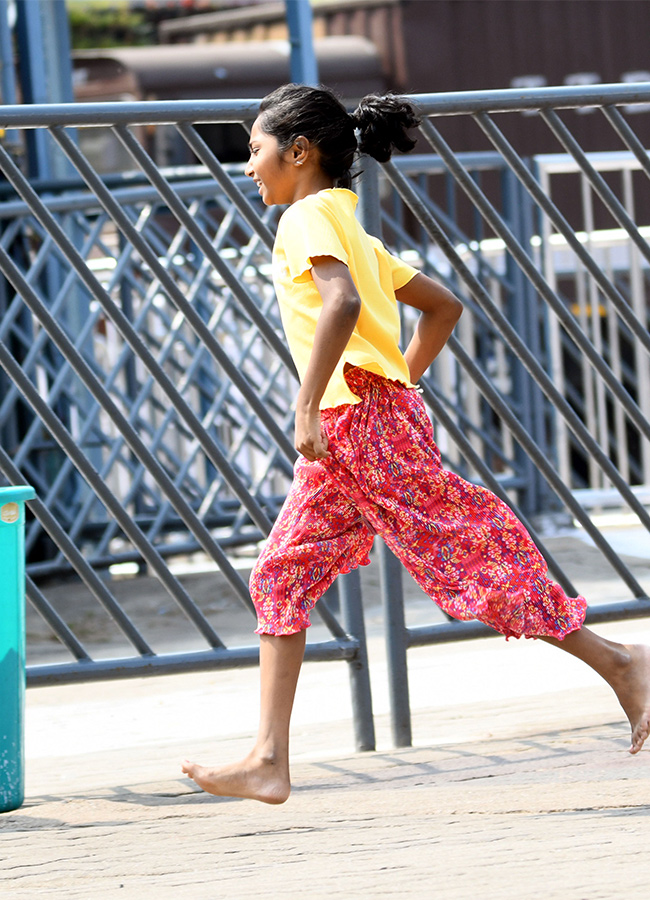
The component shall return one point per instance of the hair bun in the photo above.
(383, 123)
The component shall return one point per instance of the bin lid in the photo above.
(16, 494)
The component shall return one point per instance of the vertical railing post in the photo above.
(12, 645)
(354, 624)
(392, 597)
(369, 209)
(395, 634)
(304, 68)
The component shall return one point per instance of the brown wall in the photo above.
(457, 45)
(476, 44)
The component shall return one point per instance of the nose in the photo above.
(249, 168)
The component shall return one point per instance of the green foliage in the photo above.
(108, 23)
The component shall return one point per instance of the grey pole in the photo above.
(395, 632)
(397, 642)
(45, 75)
(304, 68)
(358, 667)
(7, 75)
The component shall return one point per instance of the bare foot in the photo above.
(252, 779)
(633, 692)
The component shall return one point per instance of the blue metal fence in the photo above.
(145, 388)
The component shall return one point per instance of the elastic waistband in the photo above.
(357, 377)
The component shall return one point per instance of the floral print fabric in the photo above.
(462, 545)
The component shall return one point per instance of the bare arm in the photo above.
(440, 311)
(341, 308)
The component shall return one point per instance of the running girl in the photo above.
(368, 463)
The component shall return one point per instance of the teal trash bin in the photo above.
(12, 645)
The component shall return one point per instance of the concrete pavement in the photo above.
(518, 786)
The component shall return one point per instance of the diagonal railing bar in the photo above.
(84, 467)
(627, 135)
(596, 180)
(330, 621)
(439, 410)
(528, 267)
(129, 334)
(532, 365)
(179, 210)
(49, 615)
(85, 572)
(237, 197)
(10, 315)
(170, 286)
(534, 188)
(135, 443)
(459, 236)
(10, 232)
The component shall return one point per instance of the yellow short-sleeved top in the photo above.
(324, 224)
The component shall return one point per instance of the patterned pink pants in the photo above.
(462, 545)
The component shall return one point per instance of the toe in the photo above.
(640, 734)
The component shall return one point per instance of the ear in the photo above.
(300, 150)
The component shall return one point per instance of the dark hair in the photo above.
(382, 123)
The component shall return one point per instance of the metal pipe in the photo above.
(595, 179)
(175, 663)
(169, 112)
(396, 637)
(353, 620)
(225, 181)
(424, 635)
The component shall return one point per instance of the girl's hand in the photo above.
(310, 439)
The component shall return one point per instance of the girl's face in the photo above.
(276, 173)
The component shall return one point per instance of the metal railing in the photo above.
(145, 387)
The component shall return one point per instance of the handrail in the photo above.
(168, 112)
